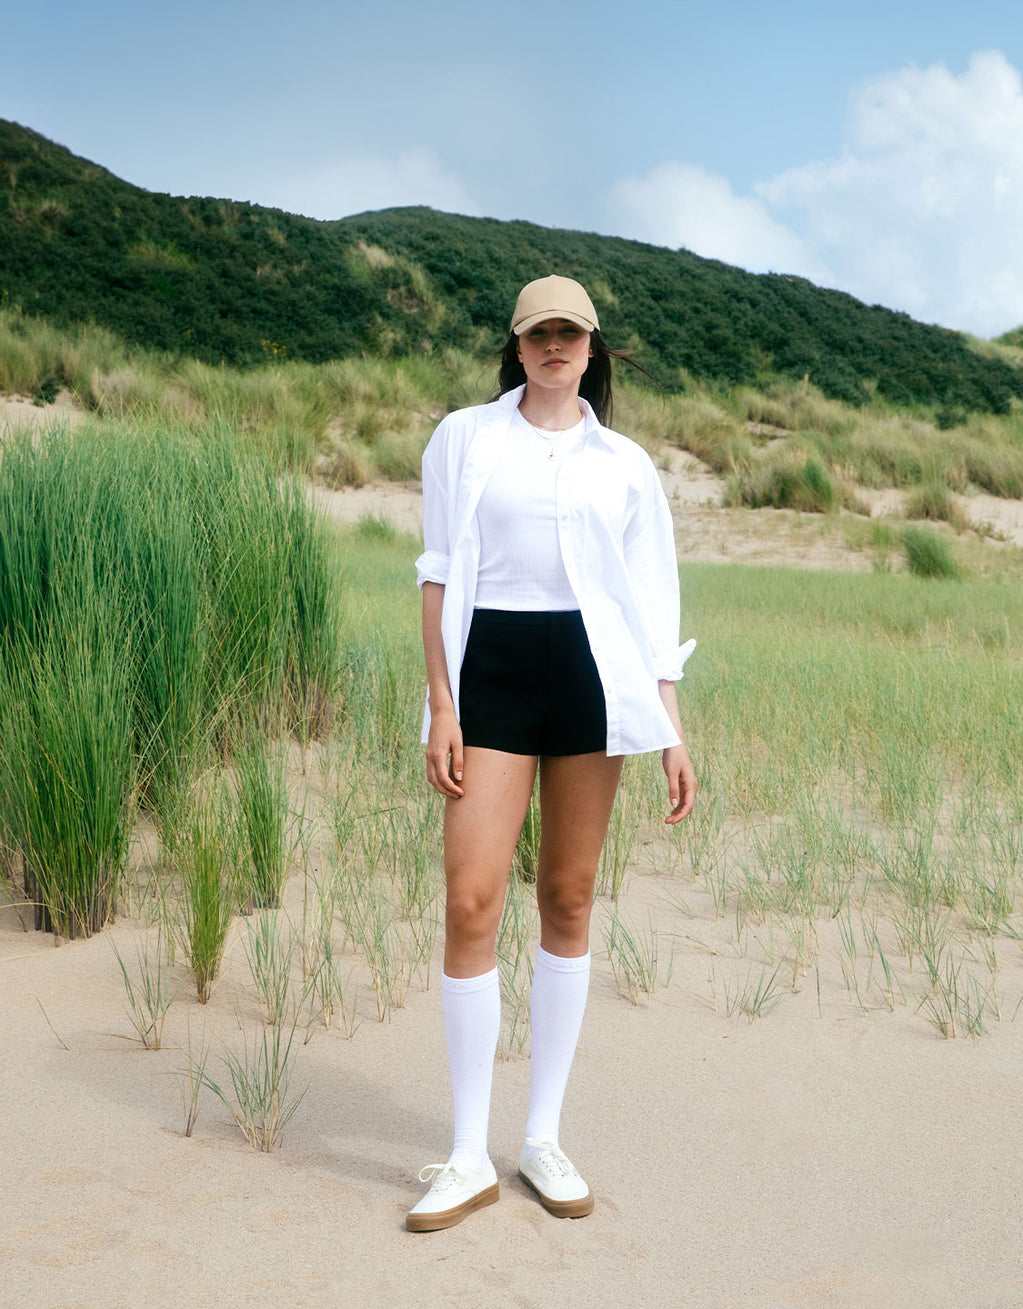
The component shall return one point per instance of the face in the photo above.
(555, 353)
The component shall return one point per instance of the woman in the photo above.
(550, 629)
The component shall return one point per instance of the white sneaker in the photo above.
(454, 1193)
(554, 1178)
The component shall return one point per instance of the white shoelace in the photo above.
(550, 1159)
(441, 1176)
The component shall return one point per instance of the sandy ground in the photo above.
(818, 1156)
(18, 412)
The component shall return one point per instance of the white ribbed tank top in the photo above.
(520, 556)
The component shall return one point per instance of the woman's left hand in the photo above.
(681, 782)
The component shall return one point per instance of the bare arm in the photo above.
(444, 747)
(675, 761)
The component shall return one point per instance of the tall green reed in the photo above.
(66, 769)
(176, 586)
(207, 857)
(262, 786)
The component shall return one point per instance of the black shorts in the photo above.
(529, 685)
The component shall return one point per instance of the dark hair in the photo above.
(595, 384)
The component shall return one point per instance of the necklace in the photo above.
(553, 438)
(545, 428)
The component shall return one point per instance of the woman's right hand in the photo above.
(444, 754)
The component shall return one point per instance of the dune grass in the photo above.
(352, 420)
(856, 739)
(156, 591)
(208, 864)
(67, 773)
(928, 555)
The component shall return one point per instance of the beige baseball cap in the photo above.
(553, 297)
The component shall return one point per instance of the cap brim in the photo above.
(533, 319)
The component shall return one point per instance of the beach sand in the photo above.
(816, 1156)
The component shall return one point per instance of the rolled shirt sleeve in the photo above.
(434, 564)
(670, 669)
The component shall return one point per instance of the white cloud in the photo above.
(680, 204)
(353, 183)
(921, 210)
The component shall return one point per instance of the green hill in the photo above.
(222, 280)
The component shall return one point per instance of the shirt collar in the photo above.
(509, 402)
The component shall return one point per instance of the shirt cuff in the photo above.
(432, 566)
(669, 669)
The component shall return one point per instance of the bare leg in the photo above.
(480, 832)
(576, 795)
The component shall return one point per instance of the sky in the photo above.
(876, 147)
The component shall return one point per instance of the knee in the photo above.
(565, 907)
(472, 916)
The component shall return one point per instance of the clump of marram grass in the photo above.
(312, 659)
(207, 858)
(698, 423)
(155, 585)
(66, 770)
(929, 555)
(785, 483)
(270, 954)
(171, 652)
(262, 788)
(795, 406)
(755, 996)
(634, 954)
(936, 503)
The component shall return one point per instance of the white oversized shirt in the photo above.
(618, 548)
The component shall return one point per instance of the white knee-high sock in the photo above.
(557, 1004)
(472, 1024)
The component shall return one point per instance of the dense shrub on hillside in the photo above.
(231, 282)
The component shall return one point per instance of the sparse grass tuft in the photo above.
(634, 955)
(150, 996)
(755, 996)
(261, 1101)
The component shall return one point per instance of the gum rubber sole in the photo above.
(562, 1208)
(452, 1217)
